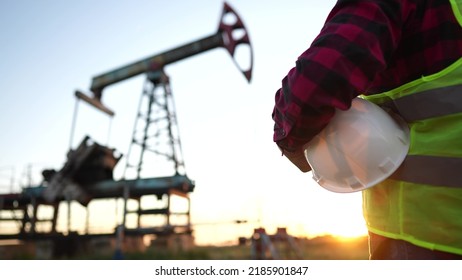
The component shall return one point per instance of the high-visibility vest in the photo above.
(422, 201)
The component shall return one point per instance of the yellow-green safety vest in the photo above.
(422, 201)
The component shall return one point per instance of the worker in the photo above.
(406, 56)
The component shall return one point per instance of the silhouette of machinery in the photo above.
(276, 246)
(88, 171)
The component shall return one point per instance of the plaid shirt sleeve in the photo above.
(356, 42)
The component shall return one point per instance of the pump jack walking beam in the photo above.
(223, 38)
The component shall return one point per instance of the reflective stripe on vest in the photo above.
(430, 170)
(428, 104)
(424, 169)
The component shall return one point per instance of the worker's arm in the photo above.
(354, 45)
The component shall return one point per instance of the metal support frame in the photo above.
(155, 138)
(155, 132)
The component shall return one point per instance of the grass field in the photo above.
(319, 248)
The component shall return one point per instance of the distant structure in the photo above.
(277, 246)
(87, 174)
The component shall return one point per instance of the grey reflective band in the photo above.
(428, 104)
(430, 170)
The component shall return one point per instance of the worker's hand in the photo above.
(298, 159)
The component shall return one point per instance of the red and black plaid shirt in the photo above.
(365, 47)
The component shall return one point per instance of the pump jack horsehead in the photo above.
(225, 37)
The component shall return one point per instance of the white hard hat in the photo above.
(358, 149)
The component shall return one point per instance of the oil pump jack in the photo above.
(87, 174)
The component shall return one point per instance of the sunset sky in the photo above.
(51, 48)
